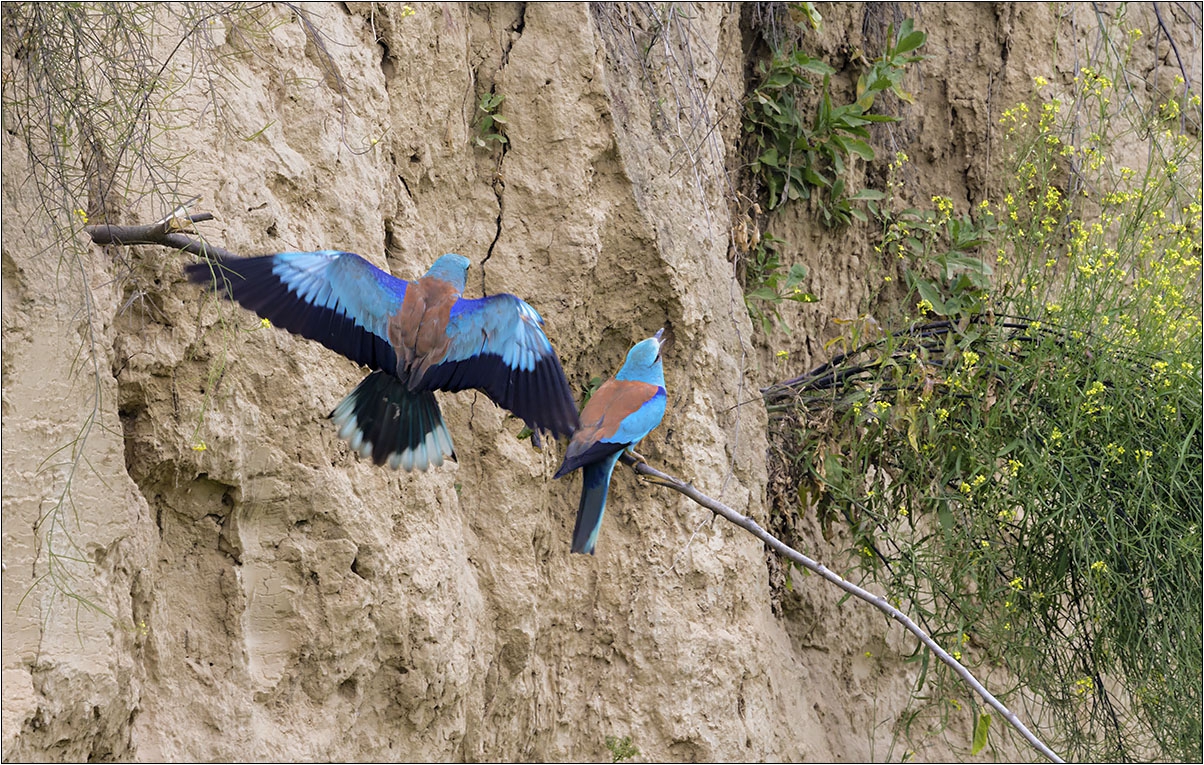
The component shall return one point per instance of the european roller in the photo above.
(626, 408)
(418, 337)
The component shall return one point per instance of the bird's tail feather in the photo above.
(384, 420)
(594, 487)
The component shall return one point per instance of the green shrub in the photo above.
(798, 152)
(1020, 466)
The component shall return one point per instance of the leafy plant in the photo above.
(490, 128)
(945, 272)
(797, 154)
(621, 748)
(766, 286)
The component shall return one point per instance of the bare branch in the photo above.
(165, 233)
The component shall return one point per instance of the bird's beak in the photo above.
(660, 343)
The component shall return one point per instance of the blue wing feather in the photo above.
(502, 325)
(336, 298)
(632, 429)
(497, 345)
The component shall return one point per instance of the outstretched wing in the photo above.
(497, 345)
(336, 298)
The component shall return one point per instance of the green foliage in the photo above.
(1021, 466)
(491, 126)
(621, 748)
(939, 252)
(595, 382)
(765, 286)
(981, 727)
(799, 153)
(807, 13)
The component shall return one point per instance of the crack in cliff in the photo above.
(499, 188)
(498, 182)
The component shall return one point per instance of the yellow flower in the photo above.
(199, 446)
(1040, 81)
(265, 323)
(1099, 567)
(944, 205)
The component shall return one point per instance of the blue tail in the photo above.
(595, 484)
(384, 420)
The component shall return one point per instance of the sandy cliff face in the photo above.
(274, 597)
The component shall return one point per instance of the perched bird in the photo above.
(625, 409)
(419, 337)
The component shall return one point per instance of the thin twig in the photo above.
(780, 547)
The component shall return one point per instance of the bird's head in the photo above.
(644, 361)
(450, 268)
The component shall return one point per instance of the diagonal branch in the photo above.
(781, 548)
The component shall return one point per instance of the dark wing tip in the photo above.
(540, 397)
